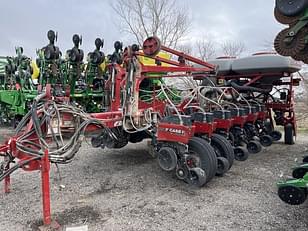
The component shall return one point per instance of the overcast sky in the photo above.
(25, 23)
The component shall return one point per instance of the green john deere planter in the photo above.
(16, 87)
(294, 191)
(292, 41)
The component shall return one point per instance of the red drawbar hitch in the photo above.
(45, 167)
(7, 180)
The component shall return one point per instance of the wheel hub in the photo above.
(181, 173)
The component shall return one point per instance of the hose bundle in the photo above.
(46, 117)
(40, 130)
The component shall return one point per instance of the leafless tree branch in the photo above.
(162, 18)
(233, 48)
(205, 49)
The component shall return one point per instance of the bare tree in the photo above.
(185, 48)
(205, 49)
(162, 18)
(304, 84)
(233, 48)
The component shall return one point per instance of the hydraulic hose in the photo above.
(17, 166)
(233, 84)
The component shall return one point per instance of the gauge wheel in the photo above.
(254, 146)
(292, 195)
(201, 155)
(241, 153)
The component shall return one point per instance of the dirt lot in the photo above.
(302, 116)
(126, 190)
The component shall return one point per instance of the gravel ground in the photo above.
(126, 190)
(301, 116)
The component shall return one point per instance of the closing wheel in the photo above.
(299, 172)
(291, 7)
(276, 135)
(222, 166)
(289, 134)
(292, 47)
(181, 173)
(151, 46)
(254, 147)
(197, 177)
(292, 195)
(266, 140)
(241, 153)
(201, 155)
(222, 148)
(167, 158)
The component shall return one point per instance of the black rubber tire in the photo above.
(292, 195)
(288, 134)
(222, 166)
(268, 125)
(241, 153)
(231, 139)
(299, 172)
(254, 147)
(266, 140)
(206, 154)
(276, 135)
(223, 148)
(283, 19)
(291, 8)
